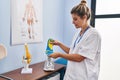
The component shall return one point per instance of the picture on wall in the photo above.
(26, 21)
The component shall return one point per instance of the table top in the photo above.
(37, 73)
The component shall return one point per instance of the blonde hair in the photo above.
(81, 9)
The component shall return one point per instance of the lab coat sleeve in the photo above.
(90, 46)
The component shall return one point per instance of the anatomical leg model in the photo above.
(49, 64)
(26, 60)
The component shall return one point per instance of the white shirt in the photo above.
(89, 46)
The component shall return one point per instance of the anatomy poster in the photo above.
(26, 21)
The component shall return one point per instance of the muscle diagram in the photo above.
(30, 18)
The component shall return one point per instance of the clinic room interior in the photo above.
(51, 20)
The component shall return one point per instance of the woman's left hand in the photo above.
(55, 55)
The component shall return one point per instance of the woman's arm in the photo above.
(72, 57)
(62, 46)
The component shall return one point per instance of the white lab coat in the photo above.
(89, 47)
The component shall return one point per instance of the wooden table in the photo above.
(37, 74)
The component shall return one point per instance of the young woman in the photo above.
(84, 54)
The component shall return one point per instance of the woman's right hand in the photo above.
(55, 42)
(62, 46)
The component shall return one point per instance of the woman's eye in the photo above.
(75, 19)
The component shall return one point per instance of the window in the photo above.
(106, 19)
(107, 7)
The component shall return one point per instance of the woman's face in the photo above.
(78, 21)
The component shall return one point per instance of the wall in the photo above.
(53, 21)
(57, 24)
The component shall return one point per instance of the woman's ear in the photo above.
(84, 17)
